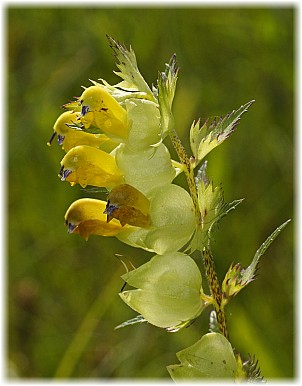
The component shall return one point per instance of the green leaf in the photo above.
(137, 319)
(248, 274)
(126, 63)
(214, 132)
(211, 357)
(166, 90)
(237, 278)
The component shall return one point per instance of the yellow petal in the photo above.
(100, 109)
(129, 206)
(87, 165)
(68, 137)
(85, 216)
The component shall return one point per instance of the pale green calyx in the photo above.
(172, 221)
(168, 291)
(146, 169)
(211, 357)
(144, 124)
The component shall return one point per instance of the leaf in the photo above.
(211, 357)
(248, 274)
(166, 90)
(214, 132)
(237, 278)
(126, 62)
(137, 319)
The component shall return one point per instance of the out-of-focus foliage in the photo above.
(227, 56)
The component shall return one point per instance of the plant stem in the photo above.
(207, 256)
(215, 290)
(188, 170)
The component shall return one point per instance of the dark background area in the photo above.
(227, 57)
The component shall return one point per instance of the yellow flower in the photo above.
(129, 206)
(85, 216)
(68, 137)
(100, 109)
(87, 165)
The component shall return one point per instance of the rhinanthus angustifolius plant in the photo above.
(114, 137)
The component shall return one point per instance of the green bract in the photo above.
(169, 289)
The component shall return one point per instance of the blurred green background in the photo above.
(227, 57)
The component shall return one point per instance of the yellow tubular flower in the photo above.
(87, 165)
(68, 137)
(85, 216)
(129, 206)
(100, 109)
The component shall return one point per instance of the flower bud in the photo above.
(87, 165)
(168, 290)
(85, 216)
(100, 109)
(69, 138)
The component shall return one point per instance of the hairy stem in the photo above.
(188, 170)
(215, 290)
(207, 256)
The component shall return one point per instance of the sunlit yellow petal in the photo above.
(100, 109)
(85, 216)
(68, 137)
(87, 165)
(129, 206)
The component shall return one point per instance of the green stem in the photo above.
(85, 332)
